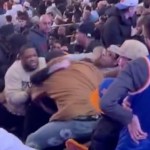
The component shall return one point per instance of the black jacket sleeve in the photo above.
(111, 33)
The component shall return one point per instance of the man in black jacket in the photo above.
(85, 37)
(119, 22)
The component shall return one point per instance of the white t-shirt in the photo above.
(17, 83)
(10, 142)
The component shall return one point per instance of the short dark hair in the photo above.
(24, 48)
(22, 15)
(124, 10)
(9, 18)
(54, 54)
(88, 8)
(57, 41)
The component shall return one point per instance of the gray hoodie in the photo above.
(131, 79)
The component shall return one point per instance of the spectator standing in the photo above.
(85, 37)
(119, 22)
(38, 35)
(27, 8)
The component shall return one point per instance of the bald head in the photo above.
(45, 23)
(44, 17)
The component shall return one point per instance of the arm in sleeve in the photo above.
(44, 73)
(13, 92)
(77, 57)
(113, 73)
(131, 79)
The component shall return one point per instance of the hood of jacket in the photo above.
(36, 30)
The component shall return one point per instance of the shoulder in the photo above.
(32, 32)
(15, 66)
(112, 20)
(15, 69)
(140, 64)
(140, 67)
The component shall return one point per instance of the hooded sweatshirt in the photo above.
(39, 41)
(116, 26)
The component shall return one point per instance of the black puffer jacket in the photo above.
(6, 59)
(9, 48)
(116, 28)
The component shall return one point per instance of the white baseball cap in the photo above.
(123, 4)
(131, 49)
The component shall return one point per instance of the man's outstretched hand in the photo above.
(135, 130)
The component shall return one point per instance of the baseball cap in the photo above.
(131, 49)
(26, 4)
(123, 4)
(87, 28)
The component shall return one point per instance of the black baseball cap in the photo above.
(87, 28)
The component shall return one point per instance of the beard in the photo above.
(29, 68)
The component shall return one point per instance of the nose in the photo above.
(32, 58)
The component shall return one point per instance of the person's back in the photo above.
(7, 29)
(71, 90)
(73, 98)
(5, 61)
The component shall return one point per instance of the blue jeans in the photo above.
(56, 133)
(126, 143)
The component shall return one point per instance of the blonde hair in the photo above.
(99, 51)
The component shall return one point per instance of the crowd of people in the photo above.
(74, 74)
